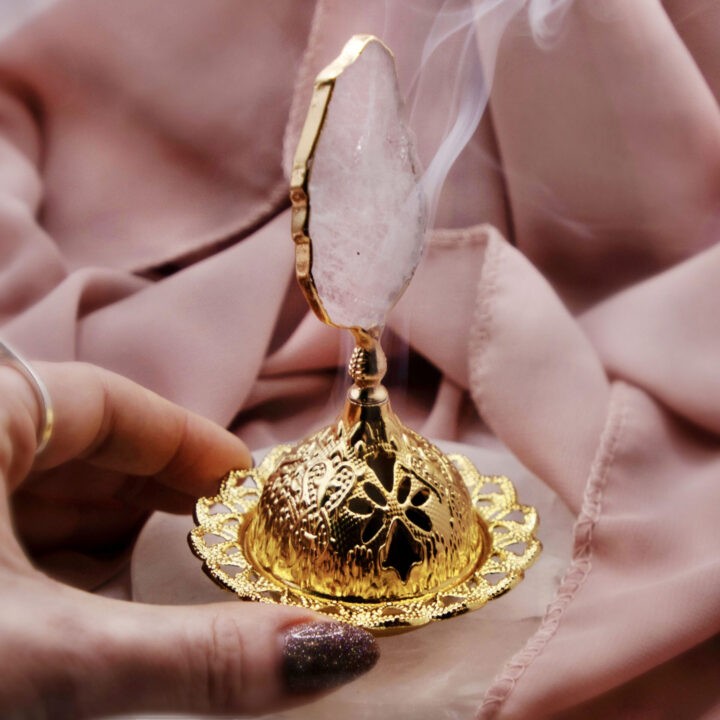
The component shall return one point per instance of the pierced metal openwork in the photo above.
(223, 541)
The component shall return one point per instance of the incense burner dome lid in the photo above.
(349, 516)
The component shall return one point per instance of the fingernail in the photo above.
(319, 656)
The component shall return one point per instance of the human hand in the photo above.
(67, 653)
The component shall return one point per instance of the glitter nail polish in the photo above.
(319, 656)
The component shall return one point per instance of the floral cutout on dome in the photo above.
(395, 514)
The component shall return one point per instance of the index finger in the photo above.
(113, 423)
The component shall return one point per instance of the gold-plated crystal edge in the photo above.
(300, 178)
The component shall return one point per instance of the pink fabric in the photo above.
(143, 227)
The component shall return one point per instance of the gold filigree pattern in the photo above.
(347, 514)
(222, 541)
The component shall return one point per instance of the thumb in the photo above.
(221, 658)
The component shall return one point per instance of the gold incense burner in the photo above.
(366, 509)
(365, 519)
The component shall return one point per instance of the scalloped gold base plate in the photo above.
(218, 540)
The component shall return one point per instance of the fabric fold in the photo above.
(650, 554)
(535, 379)
(199, 337)
(662, 335)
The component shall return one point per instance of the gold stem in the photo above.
(367, 368)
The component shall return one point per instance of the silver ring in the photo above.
(11, 357)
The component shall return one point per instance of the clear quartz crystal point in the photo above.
(368, 217)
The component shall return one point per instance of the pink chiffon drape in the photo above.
(567, 302)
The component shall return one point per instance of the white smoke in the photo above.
(454, 73)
